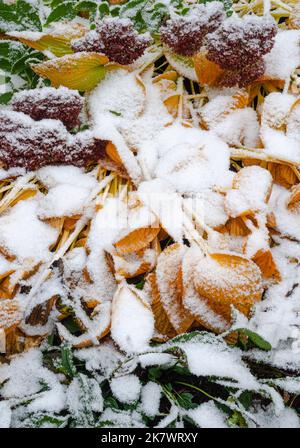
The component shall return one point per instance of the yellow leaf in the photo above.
(79, 71)
(208, 73)
(136, 240)
(171, 104)
(55, 42)
(294, 200)
(265, 261)
(10, 314)
(225, 279)
(170, 289)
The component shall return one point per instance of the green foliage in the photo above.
(62, 11)
(249, 339)
(19, 16)
(65, 364)
(15, 61)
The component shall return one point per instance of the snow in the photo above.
(24, 376)
(150, 399)
(284, 58)
(5, 414)
(218, 361)
(104, 358)
(52, 176)
(191, 300)
(23, 235)
(207, 415)
(132, 320)
(126, 389)
(63, 200)
(251, 189)
(287, 419)
(240, 128)
(180, 180)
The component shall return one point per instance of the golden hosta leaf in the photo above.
(17, 342)
(40, 313)
(171, 75)
(172, 103)
(132, 265)
(196, 305)
(55, 42)
(108, 164)
(265, 261)
(6, 273)
(70, 222)
(294, 199)
(295, 104)
(56, 223)
(169, 284)
(283, 174)
(237, 101)
(24, 194)
(79, 71)
(271, 220)
(7, 290)
(208, 73)
(113, 154)
(10, 314)
(136, 240)
(235, 227)
(162, 324)
(225, 279)
(58, 45)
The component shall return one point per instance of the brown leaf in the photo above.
(208, 73)
(265, 261)
(10, 314)
(224, 279)
(136, 240)
(283, 174)
(163, 326)
(294, 199)
(170, 289)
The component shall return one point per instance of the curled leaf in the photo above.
(208, 73)
(169, 283)
(10, 314)
(79, 71)
(225, 279)
(265, 261)
(136, 240)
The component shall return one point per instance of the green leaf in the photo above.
(153, 16)
(64, 10)
(87, 6)
(196, 336)
(43, 420)
(256, 339)
(131, 8)
(103, 9)
(237, 420)
(19, 16)
(66, 365)
(6, 97)
(185, 400)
